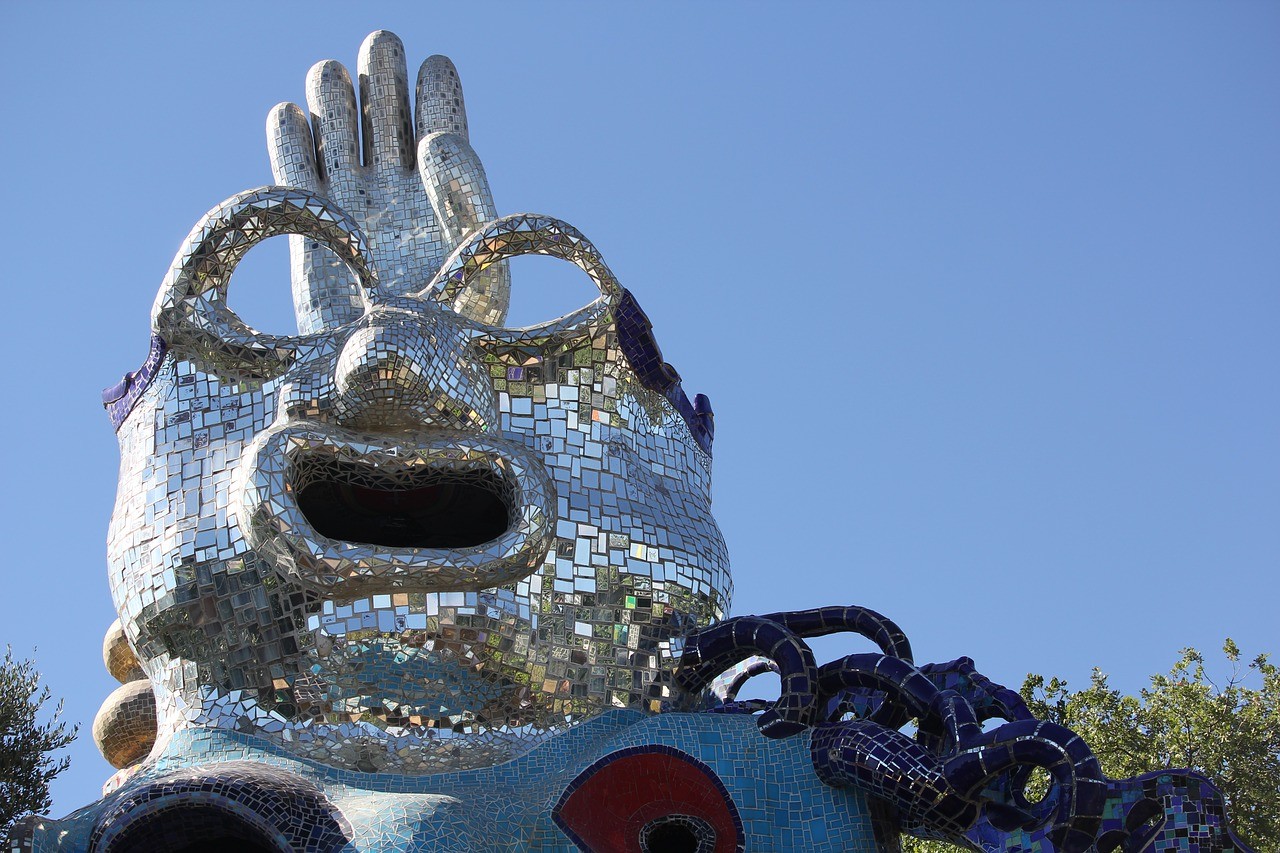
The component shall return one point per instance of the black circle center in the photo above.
(671, 836)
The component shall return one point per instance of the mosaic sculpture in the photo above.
(411, 580)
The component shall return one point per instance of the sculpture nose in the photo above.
(403, 369)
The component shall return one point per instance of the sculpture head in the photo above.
(409, 537)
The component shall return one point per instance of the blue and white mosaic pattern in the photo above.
(782, 804)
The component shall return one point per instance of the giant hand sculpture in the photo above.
(416, 192)
(411, 580)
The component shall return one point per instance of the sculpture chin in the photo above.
(453, 713)
(350, 514)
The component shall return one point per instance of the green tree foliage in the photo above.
(27, 765)
(1229, 730)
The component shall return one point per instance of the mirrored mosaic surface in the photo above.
(416, 541)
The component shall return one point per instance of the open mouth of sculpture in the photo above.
(431, 507)
(352, 514)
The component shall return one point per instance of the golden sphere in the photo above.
(125, 727)
(118, 655)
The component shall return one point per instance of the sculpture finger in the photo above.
(291, 148)
(324, 292)
(459, 193)
(439, 105)
(456, 185)
(384, 102)
(332, 102)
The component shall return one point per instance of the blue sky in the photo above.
(985, 297)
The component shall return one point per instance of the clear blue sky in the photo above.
(986, 297)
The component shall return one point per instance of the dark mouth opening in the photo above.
(435, 507)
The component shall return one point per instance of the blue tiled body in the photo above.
(783, 804)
